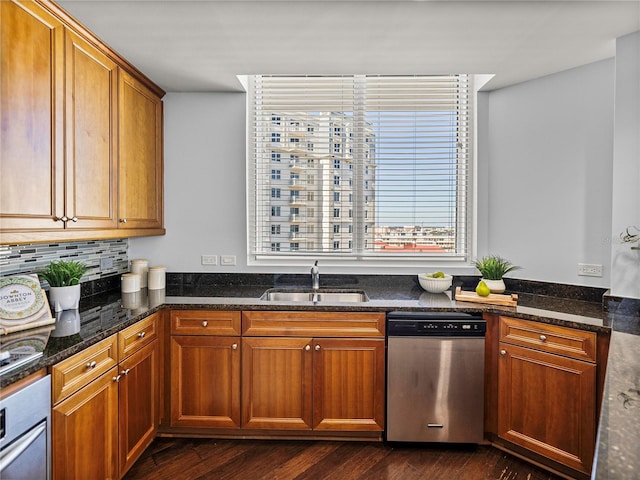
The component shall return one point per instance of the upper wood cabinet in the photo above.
(81, 144)
(140, 137)
(32, 112)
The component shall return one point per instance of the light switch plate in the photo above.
(589, 269)
(209, 259)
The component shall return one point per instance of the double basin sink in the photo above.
(321, 295)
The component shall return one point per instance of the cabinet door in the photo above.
(139, 396)
(546, 403)
(277, 383)
(91, 101)
(205, 381)
(348, 384)
(31, 114)
(140, 148)
(85, 432)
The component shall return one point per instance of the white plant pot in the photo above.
(495, 286)
(64, 298)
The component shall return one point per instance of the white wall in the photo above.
(544, 178)
(625, 263)
(549, 160)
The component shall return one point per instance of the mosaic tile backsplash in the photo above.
(17, 259)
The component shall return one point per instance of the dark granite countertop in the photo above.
(619, 433)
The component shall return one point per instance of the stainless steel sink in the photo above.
(321, 295)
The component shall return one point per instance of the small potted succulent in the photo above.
(63, 277)
(493, 268)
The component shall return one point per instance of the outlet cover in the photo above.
(589, 269)
(209, 259)
(227, 260)
(106, 263)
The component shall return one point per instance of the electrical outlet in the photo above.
(209, 259)
(590, 269)
(227, 260)
(106, 264)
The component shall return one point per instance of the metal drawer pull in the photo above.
(317, 348)
(116, 379)
(91, 364)
(141, 334)
(435, 425)
(234, 346)
(205, 323)
(543, 338)
(125, 372)
(503, 352)
(307, 348)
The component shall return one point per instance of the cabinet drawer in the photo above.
(136, 336)
(77, 371)
(313, 324)
(565, 341)
(205, 322)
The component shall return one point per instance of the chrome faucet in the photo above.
(315, 276)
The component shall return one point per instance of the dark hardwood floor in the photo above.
(191, 459)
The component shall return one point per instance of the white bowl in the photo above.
(435, 285)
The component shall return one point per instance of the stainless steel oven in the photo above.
(25, 433)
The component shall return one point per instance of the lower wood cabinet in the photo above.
(205, 381)
(101, 425)
(547, 401)
(85, 431)
(313, 383)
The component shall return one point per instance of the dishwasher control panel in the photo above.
(410, 324)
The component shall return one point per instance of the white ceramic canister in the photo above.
(157, 277)
(141, 267)
(130, 282)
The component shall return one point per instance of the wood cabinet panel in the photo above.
(84, 439)
(133, 338)
(570, 342)
(138, 404)
(313, 324)
(546, 403)
(31, 115)
(203, 322)
(277, 383)
(140, 155)
(205, 381)
(348, 384)
(77, 371)
(91, 115)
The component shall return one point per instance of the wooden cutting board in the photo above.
(492, 298)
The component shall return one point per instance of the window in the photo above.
(275, 157)
(275, 211)
(275, 229)
(275, 247)
(336, 228)
(405, 183)
(275, 193)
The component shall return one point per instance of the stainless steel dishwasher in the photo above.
(435, 377)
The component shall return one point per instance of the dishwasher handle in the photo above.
(17, 448)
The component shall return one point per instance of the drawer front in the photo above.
(570, 342)
(205, 322)
(133, 338)
(313, 324)
(75, 372)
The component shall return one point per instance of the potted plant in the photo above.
(493, 268)
(63, 277)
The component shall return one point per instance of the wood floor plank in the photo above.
(216, 459)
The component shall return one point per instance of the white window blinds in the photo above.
(365, 166)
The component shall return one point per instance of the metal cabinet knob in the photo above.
(74, 219)
(234, 346)
(141, 334)
(307, 348)
(116, 378)
(91, 364)
(503, 352)
(205, 323)
(543, 338)
(125, 372)
(317, 348)
(123, 220)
